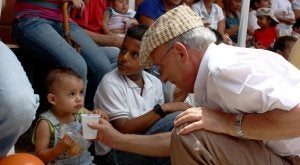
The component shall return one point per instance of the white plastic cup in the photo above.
(87, 132)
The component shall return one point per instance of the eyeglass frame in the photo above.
(156, 67)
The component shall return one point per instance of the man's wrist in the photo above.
(238, 126)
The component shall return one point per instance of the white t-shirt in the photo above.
(244, 80)
(120, 97)
(216, 13)
(280, 7)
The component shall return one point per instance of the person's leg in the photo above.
(18, 103)
(98, 61)
(44, 39)
(204, 147)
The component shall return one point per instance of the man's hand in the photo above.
(203, 118)
(106, 133)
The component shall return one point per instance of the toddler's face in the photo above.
(68, 94)
(121, 6)
(263, 21)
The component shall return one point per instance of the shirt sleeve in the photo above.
(112, 99)
(253, 88)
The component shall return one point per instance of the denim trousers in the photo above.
(18, 103)
(44, 39)
(117, 157)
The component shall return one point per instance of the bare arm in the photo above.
(142, 123)
(221, 27)
(43, 136)
(106, 16)
(106, 40)
(145, 20)
(272, 125)
(157, 145)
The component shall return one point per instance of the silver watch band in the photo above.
(238, 126)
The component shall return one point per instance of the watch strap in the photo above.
(157, 109)
(238, 125)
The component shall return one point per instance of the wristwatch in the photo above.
(157, 109)
(238, 126)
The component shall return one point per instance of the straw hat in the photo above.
(170, 25)
(266, 12)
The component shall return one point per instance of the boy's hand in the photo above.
(175, 106)
(102, 113)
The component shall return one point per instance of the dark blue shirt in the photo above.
(151, 8)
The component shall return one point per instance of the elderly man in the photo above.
(247, 99)
(18, 103)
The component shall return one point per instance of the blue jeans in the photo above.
(18, 103)
(165, 124)
(44, 38)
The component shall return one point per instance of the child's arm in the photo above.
(43, 136)
(106, 17)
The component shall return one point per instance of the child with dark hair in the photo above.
(283, 46)
(296, 28)
(266, 35)
(133, 98)
(53, 145)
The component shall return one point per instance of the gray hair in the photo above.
(197, 39)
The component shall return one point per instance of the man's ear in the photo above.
(51, 98)
(181, 50)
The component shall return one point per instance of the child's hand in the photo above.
(65, 143)
(102, 113)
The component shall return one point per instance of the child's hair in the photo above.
(218, 35)
(297, 23)
(56, 74)
(282, 42)
(137, 31)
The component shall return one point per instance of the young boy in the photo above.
(118, 17)
(66, 94)
(134, 98)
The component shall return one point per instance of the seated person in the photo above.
(232, 18)
(134, 98)
(118, 17)
(266, 35)
(91, 19)
(65, 93)
(211, 14)
(149, 10)
(283, 46)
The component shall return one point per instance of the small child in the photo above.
(118, 18)
(52, 144)
(283, 46)
(265, 36)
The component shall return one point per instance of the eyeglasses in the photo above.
(156, 67)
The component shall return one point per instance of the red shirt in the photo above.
(265, 36)
(92, 16)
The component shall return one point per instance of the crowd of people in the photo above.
(168, 79)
